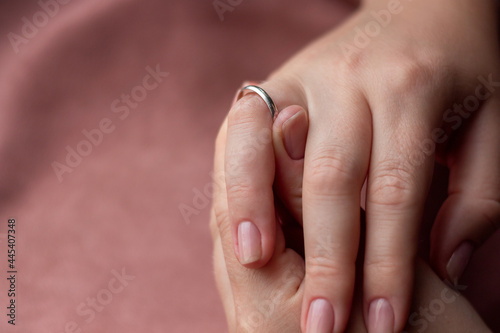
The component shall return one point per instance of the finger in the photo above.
(398, 181)
(289, 139)
(263, 300)
(249, 169)
(223, 230)
(249, 178)
(471, 213)
(336, 160)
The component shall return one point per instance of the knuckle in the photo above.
(344, 66)
(349, 67)
(238, 189)
(392, 184)
(416, 72)
(385, 266)
(323, 268)
(331, 169)
(405, 76)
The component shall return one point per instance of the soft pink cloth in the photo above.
(106, 227)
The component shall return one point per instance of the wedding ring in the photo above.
(262, 94)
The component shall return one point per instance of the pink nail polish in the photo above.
(458, 261)
(320, 318)
(249, 243)
(380, 317)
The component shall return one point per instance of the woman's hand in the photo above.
(269, 299)
(398, 84)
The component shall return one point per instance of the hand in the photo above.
(375, 111)
(269, 299)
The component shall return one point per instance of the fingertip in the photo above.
(249, 243)
(388, 289)
(320, 317)
(440, 244)
(286, 114)
(389, 311)
(292, 127)
(460, 227)
(254, 245)
(380, 316)
(458, 261)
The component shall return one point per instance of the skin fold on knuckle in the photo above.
(325, 270)
(239, 189)
(416, 72)
(406, 76)
(392, 184)
(330, 172)
(386, 266)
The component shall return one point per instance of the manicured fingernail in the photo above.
(458, 261)
(249, 244)
(294, 135)
(320, 317)
(380, 317)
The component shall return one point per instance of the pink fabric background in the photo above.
(119, 208)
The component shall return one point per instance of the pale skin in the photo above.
(269, 299)
(373, 108)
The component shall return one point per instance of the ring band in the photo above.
(264, 95)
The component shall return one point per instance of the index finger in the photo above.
(249, 171)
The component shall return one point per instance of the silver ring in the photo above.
(264, 95)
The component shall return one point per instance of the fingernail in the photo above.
(294, 135)
(320, 317)
(458, 261)
(380, 317)
(249, 243)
